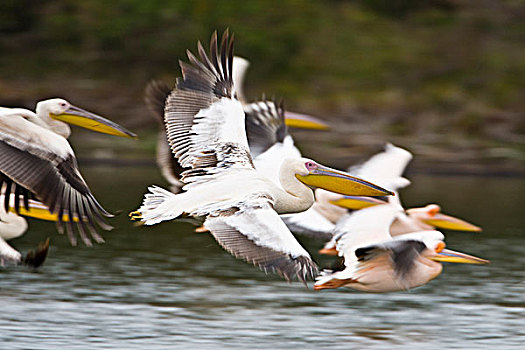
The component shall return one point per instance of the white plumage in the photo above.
(374, 261)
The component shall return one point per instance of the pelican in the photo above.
(36, 160)
(13, 226)
(206, 131)
(266, 124)
(395, 159)
(374, 261)
(386, 169)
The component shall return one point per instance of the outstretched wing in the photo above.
(155, 96)
(385, 168)
(256, 234)
(401, 254)
(37, 160)
(362, 228)
(204, 120)
(264, 125)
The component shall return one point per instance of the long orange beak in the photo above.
(357, 202)
(80, 117)
(340, 182)
(447, 255)
(451, 223)
(304, 121)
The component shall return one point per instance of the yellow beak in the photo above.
(357, 202)
(341, 182)
(77, 116)
(38, 210)
(451, 223)
(447, 255)
(303, 121)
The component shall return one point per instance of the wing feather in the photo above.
(386, 168)
(401, 253)
(264, 125)
(204, 121)
(155, 96)
(257, 235)
(54, 180)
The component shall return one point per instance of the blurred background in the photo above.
(442, 78)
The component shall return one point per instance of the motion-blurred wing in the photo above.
(42, 162)
(265, 125)
(155, 96)
(309, 223)
(401, 254)
(257, 235)
(385, 168)
(204, 120)
(239, 68)
(362, 228)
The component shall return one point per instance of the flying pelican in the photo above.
(374, 261)
(386, 169)
(36, 160)
(13, 226)
(264, 127)
(206, 131)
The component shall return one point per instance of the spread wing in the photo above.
(401, 254)
(362, 228)
(264, 125)
(256, 234)
(36, 160)
(155, 96)
(204, 120)
(386, 168)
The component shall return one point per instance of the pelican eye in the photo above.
(310, 166)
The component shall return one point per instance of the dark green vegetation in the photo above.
(443, 78)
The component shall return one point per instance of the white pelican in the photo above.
(206, 131)
(13, 226)
(36, 160)
(385, 169)
(266, 124)
(374, 261)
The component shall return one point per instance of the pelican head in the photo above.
(316, 175)
(431, 215)
(57, 111)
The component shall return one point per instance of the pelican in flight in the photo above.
(13, 226)
(206, 131)
(37, 161)
(266, 124)
(385, 169)
(374, 261)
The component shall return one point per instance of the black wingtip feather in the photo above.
(155, 95)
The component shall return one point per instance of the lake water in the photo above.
(165, 287)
